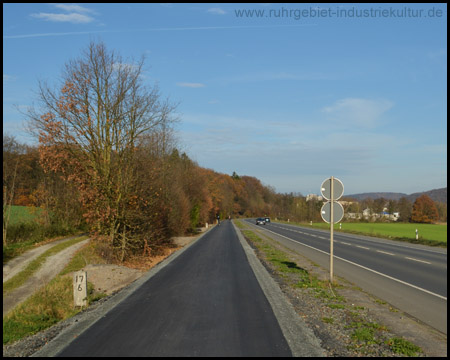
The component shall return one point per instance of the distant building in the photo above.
(368, 214)
(314, 197)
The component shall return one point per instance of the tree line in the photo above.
(107, 161)
(168, 194)
(172, 195)
(422, 210)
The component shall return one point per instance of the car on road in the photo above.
(267, 219)
(260, 221)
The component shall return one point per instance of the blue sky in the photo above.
(291, 94)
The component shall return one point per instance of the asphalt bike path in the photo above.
(206, 302)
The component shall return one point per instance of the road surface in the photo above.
(206, 302)
(410, 277)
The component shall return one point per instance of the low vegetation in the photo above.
(403, 347)
(28, 228)
(43, 309)
(428, 234)
(33, 266)
(352, 322)
(53, 302)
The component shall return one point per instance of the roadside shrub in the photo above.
(24, 231)
(33, 232)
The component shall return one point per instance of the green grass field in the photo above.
(24, 214)
(28, 226)
(429, 234)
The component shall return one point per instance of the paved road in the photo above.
(410, 277)
(206, 302)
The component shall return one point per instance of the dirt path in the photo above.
(16, 265)
(52, 266)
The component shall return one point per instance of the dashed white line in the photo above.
(363, 247)
(425, 262)
(385, 252)
(366, 268)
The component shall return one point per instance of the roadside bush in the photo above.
(24, 232)
(23, 235)
(33, 232)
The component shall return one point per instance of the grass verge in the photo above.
(403, 347)
(25, 236)
(52, 303)
(429, 234)
(364, 336)
(33, 266)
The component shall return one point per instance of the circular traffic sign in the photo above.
(338, 212)
(338, 189)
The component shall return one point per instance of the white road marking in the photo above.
(376, 241)
(385, 252)
(425, 262)
(363, 247)
(365, 268)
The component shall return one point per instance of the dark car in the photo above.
(267, 219)
(260, 221)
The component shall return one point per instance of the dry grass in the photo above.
(145, 263)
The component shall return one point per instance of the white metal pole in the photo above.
(331, 229)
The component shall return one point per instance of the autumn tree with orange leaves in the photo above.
(88, 129)
(424, 210)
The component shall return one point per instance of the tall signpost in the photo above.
(332, 212)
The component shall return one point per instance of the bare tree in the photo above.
(88, 130)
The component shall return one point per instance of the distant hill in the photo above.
(439, 195)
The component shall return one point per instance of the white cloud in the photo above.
(72, 17)
(217, 11)
(72, 8)
(359, 112)
(190, 85)
(74, 14)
